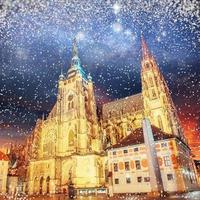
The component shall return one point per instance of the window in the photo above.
(128, 180)
(153, 93)
(139, 179)
(146, 179)
(137, 164)
(163, 144)
(136, 149)
(127, 166)
(151, 82)
(170, 177)
(115, 167)
(167, 161)
(116, 181)
(114, 153)
(71, 138)
(125, 151)
(160, 124)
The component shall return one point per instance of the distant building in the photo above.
(130, 170)
(3, 172)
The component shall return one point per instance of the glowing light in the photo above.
(116, 8)
(80, 36)
(117, 27)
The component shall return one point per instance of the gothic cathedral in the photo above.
(70, 145)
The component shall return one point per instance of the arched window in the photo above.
(41, 185)
(48, 184)
(70, 102)
(71, 138)
(160, 124)
(72, 105)
(35, 186)
(151, 81)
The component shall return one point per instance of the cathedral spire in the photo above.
(145, 51)
(75, 62)
(74, 48)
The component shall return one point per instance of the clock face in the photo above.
(70, 97)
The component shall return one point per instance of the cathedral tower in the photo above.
(158, 104)
(76, 108)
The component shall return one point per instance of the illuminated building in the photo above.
(3, 172)
(69, 146)
(130, 165)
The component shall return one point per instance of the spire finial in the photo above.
(75, 48)
(145, 50)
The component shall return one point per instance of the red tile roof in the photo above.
(3, 156)
(136, 137)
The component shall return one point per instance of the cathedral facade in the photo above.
(69, 147)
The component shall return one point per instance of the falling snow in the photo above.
(35, 41)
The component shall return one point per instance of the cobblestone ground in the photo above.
(187, 196)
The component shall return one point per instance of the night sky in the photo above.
(35, 44)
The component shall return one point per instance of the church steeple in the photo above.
(75, 62)
(158, 104)
(145, 51)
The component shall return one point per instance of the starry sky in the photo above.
(35, 45)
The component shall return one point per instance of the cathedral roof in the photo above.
(122, 106)
(136, 137)
(3, 156)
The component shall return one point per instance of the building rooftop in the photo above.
(122, 106)
(136, 137)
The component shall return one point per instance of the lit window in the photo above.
(127, 166)
(136, 149)
(170, 177)
(125, 151)
(115, 167)
(139, 179)
(128, 180)
(137, 164)
(146, 179)
(167, 161)
(116, 181)
(164, 144)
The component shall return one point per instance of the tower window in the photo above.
(71, 138)
(167, 161)
(153, 93)
(151, 82)
(160, 124)
(147, 65)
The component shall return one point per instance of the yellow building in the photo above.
(3, 172)
(69, 146)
